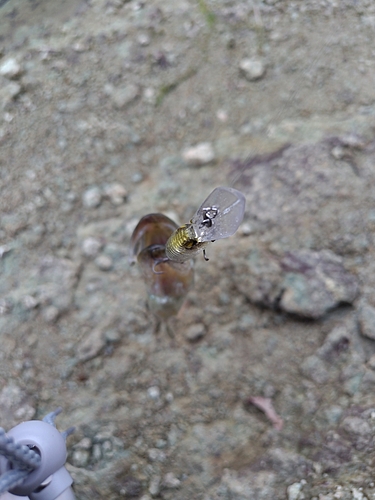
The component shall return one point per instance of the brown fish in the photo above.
(167, 281)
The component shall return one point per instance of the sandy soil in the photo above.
(99, 100)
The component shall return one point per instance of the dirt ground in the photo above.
(266, 388)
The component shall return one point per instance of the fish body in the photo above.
(167, 281)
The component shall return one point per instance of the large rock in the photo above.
(315, 282)
(303, 282)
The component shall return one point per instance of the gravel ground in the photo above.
(112, 109)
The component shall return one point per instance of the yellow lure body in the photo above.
(183, 245)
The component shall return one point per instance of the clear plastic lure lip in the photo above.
(220, 214)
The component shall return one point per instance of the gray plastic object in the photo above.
(50, 481)
(9, 496)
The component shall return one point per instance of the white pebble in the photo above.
(112, 336)
(4, 249)
(294, 491)
(137, 177)
(96, 452)
(195, 332)
(92, 197)
(338, 152)
(50, 314)
(171, 481)
(30, 302)
(154, 486)
(222, 115)
(116, 193)
(156, 455)
(79, 47)
(84, 444)
(198, 155)
(245, 229)
(104, 262)
(357, 494)
(80, 458)
(144, 39)
(252, 69)
(8, 93)
(169, 397)
(5, 306)
(153, 392)
(121, 97)
(10, 68)
(150, 95)
(91, 247)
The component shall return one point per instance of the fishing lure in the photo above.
(165, 251)
(218, 217)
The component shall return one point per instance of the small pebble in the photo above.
(9, 92)
(107, 448)
(371, 362)
(366, 319)
(230, 41)
(112, 336)
(252, 69)
(222, 115)
(154, 487)
(137, 178)
(356, 426)
(353, 141)
(144, 39)
(91, 345)
(10, 68)
(199, 155)
(116, 193)
(96, 452)
(91, 247)
(195, 332)
(315, 369)
(169, 397)
(357, 494)
(338, 152)
(245, 229)
(4, 249)
(84, 444)
(150, 95)
(104, 262)
(30, 302)
(171, 481)
(5, 306)
(92, 197)
(50, 314)
(156, 455)
(79, 47)
(153, 392)
(122, 97)
(80, 458)
(294, 490)
(25, 412)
